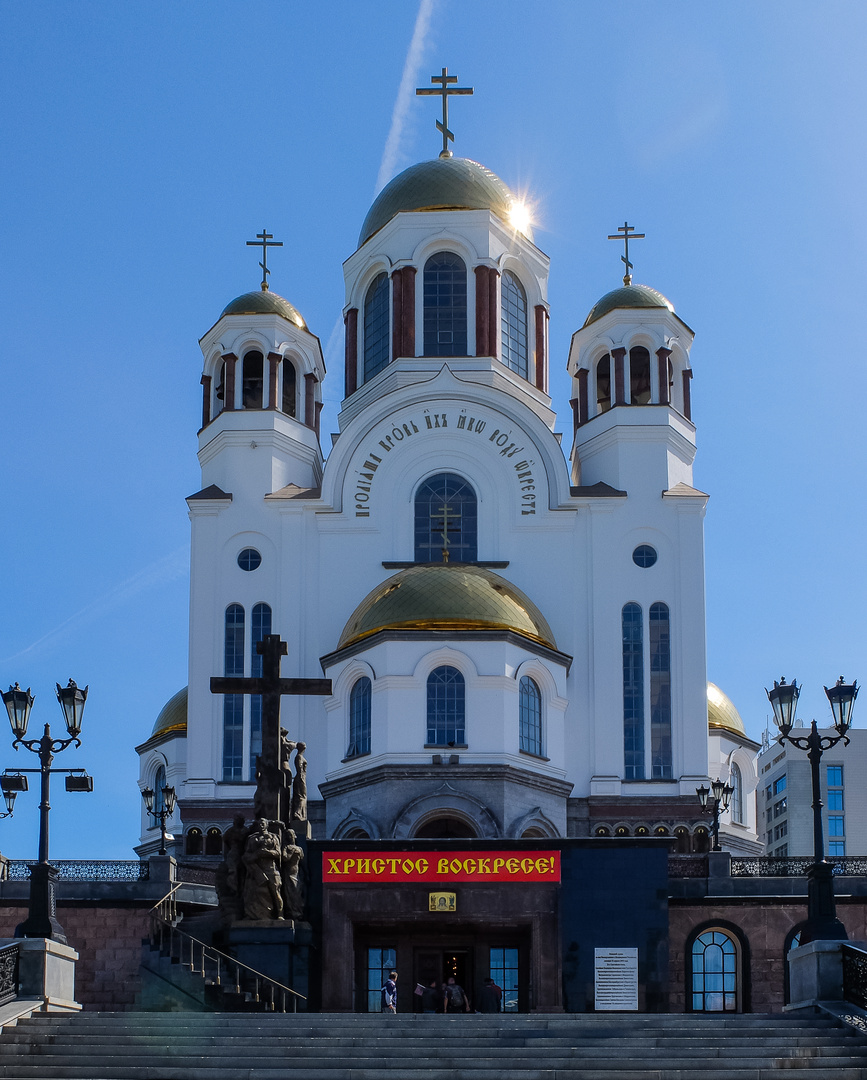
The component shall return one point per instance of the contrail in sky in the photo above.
(168, 568)
(405, 94)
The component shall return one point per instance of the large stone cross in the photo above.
(271, 687)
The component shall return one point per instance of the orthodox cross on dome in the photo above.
(264, 240)
(626, 232)
(448, 525)
(445, 89)
(272, 687)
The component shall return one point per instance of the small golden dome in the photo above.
(442, 184)
(721, 713)
(447, 596)
(173, 716)
(261, 302)
(629, 296)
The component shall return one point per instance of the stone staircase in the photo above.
(201, 1046)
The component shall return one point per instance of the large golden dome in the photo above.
(173, 715)
(447, 596)
(442, 184)
(721, 713)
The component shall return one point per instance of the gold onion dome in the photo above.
(628, 296)
(447, 596)
(442, 184)
(261, 302)
(721, 713)
(173, 715)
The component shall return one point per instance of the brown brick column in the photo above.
(396, 313)
(319, 405)
(229, 384)
(408, 328)
(619, 382)
(687, 403)
(583, 402)
(273, 364)
(483, 312)
(206, 400)
(309, 403)
(350, 321)
(541, 352)
(662, 356)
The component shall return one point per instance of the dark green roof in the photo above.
(629, 296)
(264, 303)
(442, 184)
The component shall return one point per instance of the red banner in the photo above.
(339, 867)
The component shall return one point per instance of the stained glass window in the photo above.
(376, 327)
(513, 324)
(445, 305)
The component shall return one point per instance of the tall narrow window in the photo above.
(714, 973)
(513, 321)
(504, 971)
(220, 391)
(603, 384)
(639, 376)
(445, 707)
(213, 841)
(445, 305)
(633, 692)
(379, 963)
(660, 692)
(531, 717)
(359, 718)
(289, 381)
(737, 800)
(159, 784)
(376, 326)
(253, 384)
(233, 704)
(260, 625)
(446, 520)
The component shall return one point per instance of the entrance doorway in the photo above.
(439, 965)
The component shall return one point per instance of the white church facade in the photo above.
(512, 616)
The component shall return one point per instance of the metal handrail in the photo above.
(164, 912)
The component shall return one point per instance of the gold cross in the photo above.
(446, 90)
(264, 241)
(626, 232)
(443, 516)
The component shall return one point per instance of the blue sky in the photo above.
(144, 143)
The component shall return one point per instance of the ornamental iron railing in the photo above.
(794, 866)
(9, 956)
(86, 870)
(240, 988)
(855, 976)
(687, 866)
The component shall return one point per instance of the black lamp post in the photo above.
(41, 920)
(165, 810)
(717, 804)
(822, 922)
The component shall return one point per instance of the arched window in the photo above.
(213, 841)
(260, 626)
(445, 707)
(701, 840)
(159, 798)
(737, 799)
(639, 376)
(513, 322)
(376, 326)
(446, 520)
(660, 692)
(220, 391)
(233, 704)
(289, 387)
(603, 384)
(445, 305)
(193, 842)
(359, 718)
(714, 972)
(446, 828)
(253, 384)
(633, 692)
(683, 840)
(530, 717)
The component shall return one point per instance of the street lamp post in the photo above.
(41, 919)
(716, 805)
(822, 922)
(164, 811)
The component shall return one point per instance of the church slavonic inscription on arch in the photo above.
(503, 440)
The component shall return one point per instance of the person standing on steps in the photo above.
(490, 997)
(455, 1000)
(389, 993)
(432, 997)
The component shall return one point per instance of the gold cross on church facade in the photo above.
(443, 516)
(445, 90)
(264, 240)
(626, 232)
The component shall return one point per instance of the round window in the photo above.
(644, 555)
(249, 559)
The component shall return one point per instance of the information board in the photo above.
(616, 980)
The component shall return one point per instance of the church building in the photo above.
(511, 610)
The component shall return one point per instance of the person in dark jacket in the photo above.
(389, 993)
(490, 997)
(431, 997)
